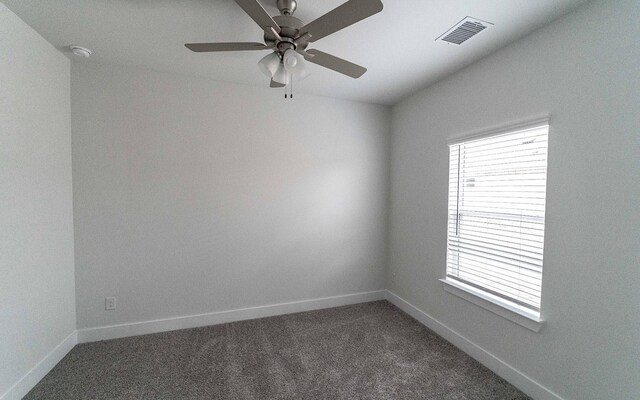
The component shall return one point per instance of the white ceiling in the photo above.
(397, 45)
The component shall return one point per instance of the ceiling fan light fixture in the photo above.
(290, 59)
(269, 64)
(295, 65)
(282, 76)
(284, 34)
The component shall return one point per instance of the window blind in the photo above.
(495, 238)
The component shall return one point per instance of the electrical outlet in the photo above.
(110, 303)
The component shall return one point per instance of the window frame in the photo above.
(500, 306)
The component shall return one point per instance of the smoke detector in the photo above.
(80, 51)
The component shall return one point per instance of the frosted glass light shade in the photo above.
(269, 64)
(295, 64)
(281, 75)
(290, 60)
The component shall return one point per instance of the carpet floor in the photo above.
(365, 351)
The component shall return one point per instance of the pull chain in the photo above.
(290, 87)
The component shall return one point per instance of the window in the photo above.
(495, 238)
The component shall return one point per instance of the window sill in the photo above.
(494, 304)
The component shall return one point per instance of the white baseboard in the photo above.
(504, 370)
(221, 317)
(31, 378)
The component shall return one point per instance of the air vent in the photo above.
(464, 30)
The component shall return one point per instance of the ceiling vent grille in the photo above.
(464, 30)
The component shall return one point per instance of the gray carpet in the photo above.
(365, 351)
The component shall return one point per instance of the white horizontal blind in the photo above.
(495, 239)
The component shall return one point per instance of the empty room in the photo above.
(339, 199)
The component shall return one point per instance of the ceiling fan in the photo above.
(288, 38)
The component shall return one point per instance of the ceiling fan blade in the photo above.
(275, 84)
(332, 62)
(258, 14)
(345, 15)
(209, 47)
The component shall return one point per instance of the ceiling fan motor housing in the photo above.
(289, 30)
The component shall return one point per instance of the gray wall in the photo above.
(583, 70)
(37, 298)
(193, 196)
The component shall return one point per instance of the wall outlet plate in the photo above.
(110, 303)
